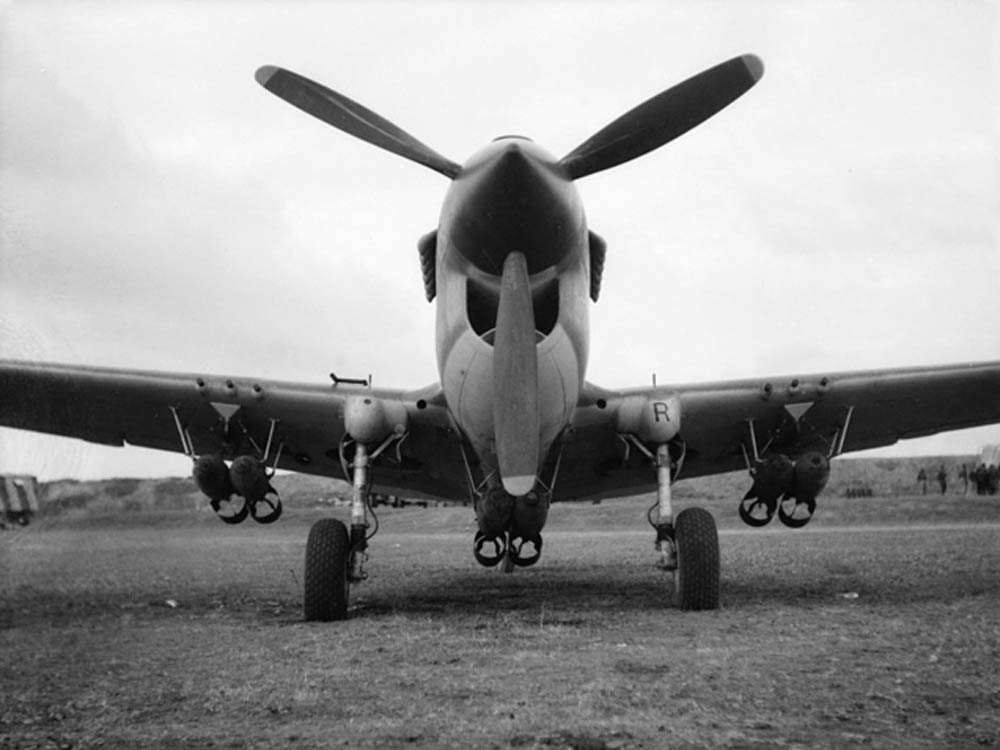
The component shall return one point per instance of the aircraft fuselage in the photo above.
(511, 197)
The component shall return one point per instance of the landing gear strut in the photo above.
(664, 525)
(359, 516)
(688, 546)
(335, 555)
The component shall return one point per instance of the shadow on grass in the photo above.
(582, 600)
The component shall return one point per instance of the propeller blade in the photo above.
(515, 380)
(666, 116)
(347, 115)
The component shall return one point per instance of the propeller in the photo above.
(666, 116)
(644, 128)
(347, 115)
(515, 380)
(653, 123)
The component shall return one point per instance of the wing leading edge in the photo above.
(206, 414)
(721, 423)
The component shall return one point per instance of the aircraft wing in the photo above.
(233, 416)
(721, 423)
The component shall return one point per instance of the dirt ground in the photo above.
(174, 631)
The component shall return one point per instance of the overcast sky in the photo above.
(159, 209)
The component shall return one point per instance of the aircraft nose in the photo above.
(515, 201)
(514, 161)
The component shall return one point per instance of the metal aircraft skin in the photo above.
(513, 424)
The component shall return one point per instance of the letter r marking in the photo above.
(660, 407)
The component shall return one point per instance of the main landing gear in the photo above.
(327, 586)
(335, 555)
(688, 545)
(696, 580)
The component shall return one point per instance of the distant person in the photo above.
(963, 474)
(922, 479)
(979, 479)
(993, 479)
(942, 477)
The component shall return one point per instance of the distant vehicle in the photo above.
(513, 425)
(990, 455)
(18, 499)
(858, 489)
(378, 498)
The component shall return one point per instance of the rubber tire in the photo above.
(697, 576)
(327, 589)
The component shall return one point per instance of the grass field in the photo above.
(171, 630)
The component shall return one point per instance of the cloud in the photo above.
(178, 267)
(159, 209)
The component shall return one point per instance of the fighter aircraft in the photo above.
(513, 425)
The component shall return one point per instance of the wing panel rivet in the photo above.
(794, 387)
(258, 392)
(765, 391)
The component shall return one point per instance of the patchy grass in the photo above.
(181, 632)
